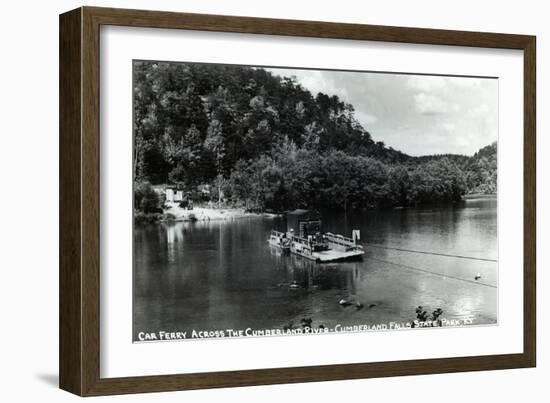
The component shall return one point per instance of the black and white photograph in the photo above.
(277, 201)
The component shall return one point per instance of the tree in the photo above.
(241, 183)
(146, 200)
(399, 183)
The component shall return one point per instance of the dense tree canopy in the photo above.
(481, 170)
(268, 143)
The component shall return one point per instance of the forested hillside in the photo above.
(267, 143)
(481, 171)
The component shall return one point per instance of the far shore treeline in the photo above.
(267, 143)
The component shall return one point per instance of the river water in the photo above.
(207, 276)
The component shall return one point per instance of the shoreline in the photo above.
(174, 213)
(208, 213)
(479, 196)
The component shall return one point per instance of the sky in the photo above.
(415, 114)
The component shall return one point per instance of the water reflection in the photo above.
(304, 274)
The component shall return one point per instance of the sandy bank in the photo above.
(208, 214)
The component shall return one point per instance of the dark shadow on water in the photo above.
(49, 379)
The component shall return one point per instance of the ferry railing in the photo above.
(342, 240)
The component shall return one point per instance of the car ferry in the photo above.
(309, 242)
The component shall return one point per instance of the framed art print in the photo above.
(250, 201)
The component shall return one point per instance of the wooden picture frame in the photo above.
(79, 348)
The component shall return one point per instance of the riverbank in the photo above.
(479, 196)
(173, 212)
